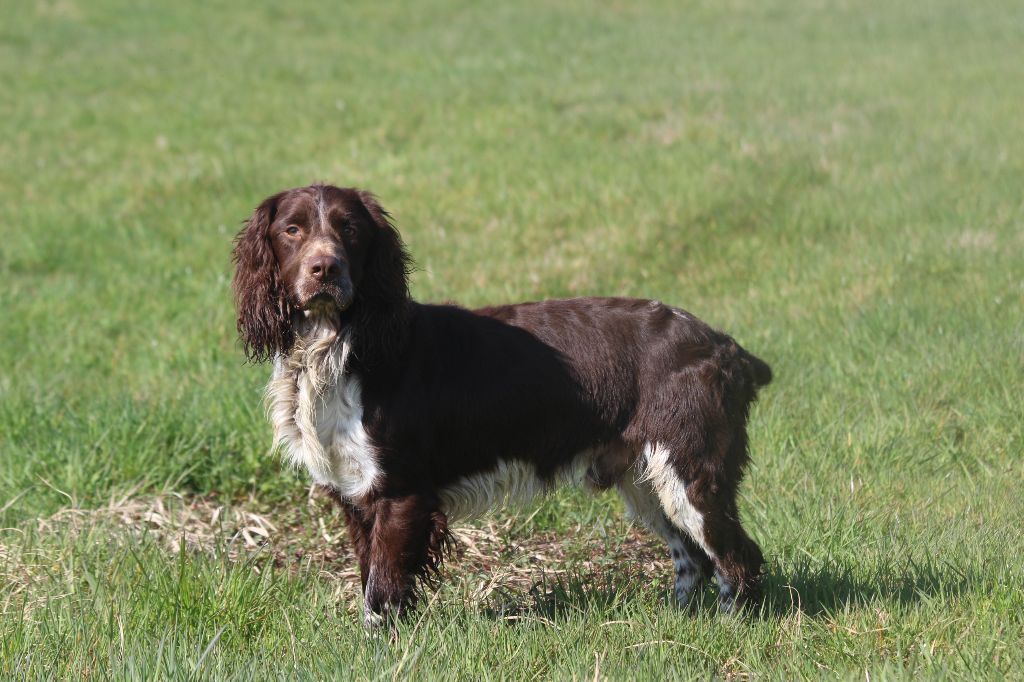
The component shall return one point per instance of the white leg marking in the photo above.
(687, 570)
(642, 505)
(672, 492)
(371, 620)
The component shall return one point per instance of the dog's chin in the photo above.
(328, 302)
(321, 305)
(325, 308)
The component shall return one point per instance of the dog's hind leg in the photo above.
(692, 566)
(706, 509)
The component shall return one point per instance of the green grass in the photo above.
(839, 185)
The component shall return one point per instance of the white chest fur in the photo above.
(317, 414)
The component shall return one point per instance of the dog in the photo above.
(413, 414)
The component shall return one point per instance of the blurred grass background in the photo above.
(837, 184)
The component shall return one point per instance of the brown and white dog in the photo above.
(415, 414)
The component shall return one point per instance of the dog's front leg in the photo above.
(407, 544)
(359, 521)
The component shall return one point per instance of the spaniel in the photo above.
(414, 414)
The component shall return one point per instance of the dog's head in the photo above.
(317, 253)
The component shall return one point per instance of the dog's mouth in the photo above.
(329, 301)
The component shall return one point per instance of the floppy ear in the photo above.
(385, 280)
(263, 311)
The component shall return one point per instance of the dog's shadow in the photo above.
(830, 587)
(803, 587)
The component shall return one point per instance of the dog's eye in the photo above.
(348, 231)
(292, 230)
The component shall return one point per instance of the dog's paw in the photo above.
(386, 615)
(371, 620)
(733, 602)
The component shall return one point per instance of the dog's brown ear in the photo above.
(385, 279)
(263, 311)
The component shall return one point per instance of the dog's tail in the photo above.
(758, 372)
(746, 374)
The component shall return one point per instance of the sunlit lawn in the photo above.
(839, 185)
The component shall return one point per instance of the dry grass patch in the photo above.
(492, 562)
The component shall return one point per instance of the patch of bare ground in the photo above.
(491, 562)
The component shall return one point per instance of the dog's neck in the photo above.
(325, 366)
(379, 334)
(303, 382)
(362, 339)
(321, 351)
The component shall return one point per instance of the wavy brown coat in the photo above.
(412, 414)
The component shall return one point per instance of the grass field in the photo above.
(837, 184)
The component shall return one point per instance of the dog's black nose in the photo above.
(325, 267)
